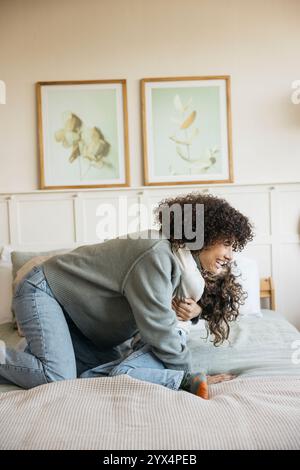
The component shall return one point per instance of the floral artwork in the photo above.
(184, 137)
(83, 134)
(186, 129)
(84, 142)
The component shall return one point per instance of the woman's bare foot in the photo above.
(214, 379)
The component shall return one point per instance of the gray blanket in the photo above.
(257, 347)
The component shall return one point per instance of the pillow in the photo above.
(19, 258)
(6, 253)
(246, 270)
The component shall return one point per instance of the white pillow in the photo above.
(6, 253)
(246, 270)
(5, 292)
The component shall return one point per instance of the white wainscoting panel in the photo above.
(263, 255)
(256, 206)
(46, 221)
(288, 286)
(289, 220)
(4, 227)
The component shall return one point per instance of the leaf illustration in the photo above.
(190, 160)
(194, 133)
(59, 135)
(178, 104)
(75, 154)
(189, 120)
(179, 151)
(212, 152)
(180, 142)
(206, 165)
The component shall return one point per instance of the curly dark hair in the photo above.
(220, 303)
(221, 221)
(223, 295)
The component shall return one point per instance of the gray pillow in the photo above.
(19, 258)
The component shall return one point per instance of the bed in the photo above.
(260, 409)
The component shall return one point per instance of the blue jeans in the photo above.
(57, 350)
(141, 364)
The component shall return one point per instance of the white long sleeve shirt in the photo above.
(191, 283)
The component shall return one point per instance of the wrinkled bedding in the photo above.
(124, 413)
(260, 409)
(256, 347)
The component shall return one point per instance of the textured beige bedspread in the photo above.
(123, 413)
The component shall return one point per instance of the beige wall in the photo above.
(256, 42)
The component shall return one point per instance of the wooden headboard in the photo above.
(267, 291)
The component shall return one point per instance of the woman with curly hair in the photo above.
(76, 309)
(207, 288)
(226, 230)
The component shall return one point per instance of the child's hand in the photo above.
(185, 309)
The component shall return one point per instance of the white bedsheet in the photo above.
(124, 413)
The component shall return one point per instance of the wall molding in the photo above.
(150, 188)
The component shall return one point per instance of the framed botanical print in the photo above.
(186, 130)
(83, 134)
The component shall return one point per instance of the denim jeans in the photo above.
(141, 364)
(57, 350)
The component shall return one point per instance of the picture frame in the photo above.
(83, 134)
(186, 126)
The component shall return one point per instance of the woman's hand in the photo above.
(215, 379)
(185, 309)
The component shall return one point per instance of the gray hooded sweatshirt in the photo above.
(112, 289)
